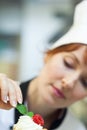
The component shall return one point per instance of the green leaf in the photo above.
(30, 114)
(22, 109)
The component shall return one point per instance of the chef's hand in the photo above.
(10, 93)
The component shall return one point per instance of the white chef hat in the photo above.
(78, 31)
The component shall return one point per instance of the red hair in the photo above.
(64, 48)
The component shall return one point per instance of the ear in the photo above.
(46, 58)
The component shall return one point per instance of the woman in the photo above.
(61, 82)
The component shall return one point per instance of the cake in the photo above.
(26, 123)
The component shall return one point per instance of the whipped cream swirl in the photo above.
(26, 123)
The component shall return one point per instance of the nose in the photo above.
(70, 80)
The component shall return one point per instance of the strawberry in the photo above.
(38, 119)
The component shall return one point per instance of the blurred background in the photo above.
(27, 29)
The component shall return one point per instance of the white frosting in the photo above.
(26, 123)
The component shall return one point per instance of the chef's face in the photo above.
(63, 79)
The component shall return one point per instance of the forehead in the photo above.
(81, 54)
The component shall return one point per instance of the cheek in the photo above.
(55, 70)
(79, 93)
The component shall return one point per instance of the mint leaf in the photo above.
(22, 109)
(30, 114)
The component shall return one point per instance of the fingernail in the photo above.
(20, 100)
(14, 103)
(5, 99)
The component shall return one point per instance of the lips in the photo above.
(57, 92)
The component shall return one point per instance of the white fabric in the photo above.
(78, 31)
(6, 119)
(71, 123)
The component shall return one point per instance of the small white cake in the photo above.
(26, 123)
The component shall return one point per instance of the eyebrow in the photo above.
(85, 56)
(75, 57)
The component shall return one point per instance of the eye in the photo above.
(68, 61)
(84, 82)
